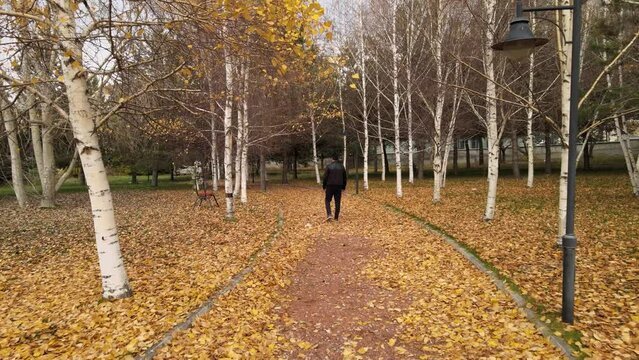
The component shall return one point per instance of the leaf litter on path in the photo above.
(427, 300)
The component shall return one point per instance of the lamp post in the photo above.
(519, 42)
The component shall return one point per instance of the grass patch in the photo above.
(117, 183)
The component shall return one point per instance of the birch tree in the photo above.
(492, 129)
(530, 136)
(410, 48)
(239, 138)
(340, 85)
(438, 143)
(115, 283)
(17, 177)
(564, 47)
(244, 134)
(36, 66)
(460, 80)
(228, 130)
(362, 66)
(315, 139)
(213, 109)
(624, 140)
(396, 98)
(380, 136)
(36, 132)
(620, 122)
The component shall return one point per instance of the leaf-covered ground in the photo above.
(398, 290)
(442, 307)
(175, 255)
(521, 244)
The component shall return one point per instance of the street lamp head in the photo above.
(520, 40)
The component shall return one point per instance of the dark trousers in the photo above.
(333, 192)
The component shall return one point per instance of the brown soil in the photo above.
(336, 309)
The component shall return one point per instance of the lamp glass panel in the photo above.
(517, 51)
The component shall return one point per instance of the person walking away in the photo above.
(334, 183)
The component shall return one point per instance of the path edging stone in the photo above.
(532, 316)
(212, 300)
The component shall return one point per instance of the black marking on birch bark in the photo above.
(79, 75)
(229, 195)
(88, 149)
(55, 3)
(101, 193)
(68, 61)
(124, 291)
(106, 276)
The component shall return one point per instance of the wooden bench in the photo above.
(203, 194)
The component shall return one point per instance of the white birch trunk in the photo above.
(239, 138)
(32, 111)
(315, 159)
(396, 105)
(341, 111)
(41, 138)
(214, 160)
(380, 137)
(409, 96)
(514, 145)
(17, 176)
(228, 132)
(218, 166)
(364, 95)
(456, 101)
(245, 136)
(491, 112)
(620, 125)
(409, 116)
(624, 140)
(437, 166)
(445, 161)
(48, 176)
(115, 282)
(628, 145)
(68, 172)
(438, 147)
(565, 60)
(449, 140)
(530, 137)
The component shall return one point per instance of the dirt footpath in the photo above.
(378, 287)
(373, 286)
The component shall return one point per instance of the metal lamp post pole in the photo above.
(569, 240)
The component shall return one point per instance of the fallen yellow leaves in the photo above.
(520, 242)
(176, 257)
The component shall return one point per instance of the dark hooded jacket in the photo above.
(335, 175)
